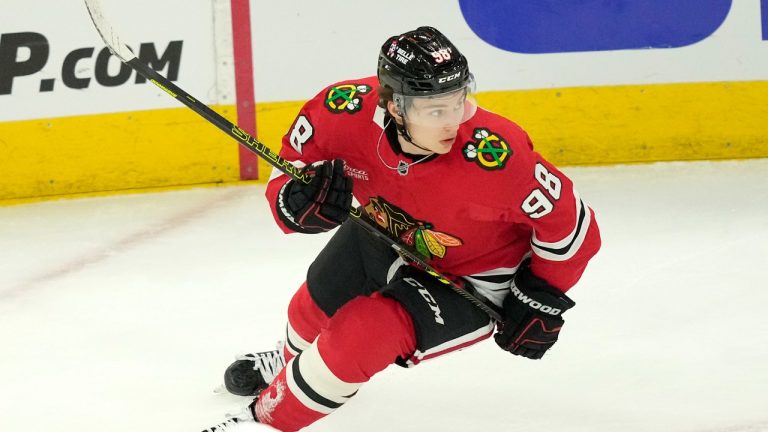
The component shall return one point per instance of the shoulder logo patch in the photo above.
(489, 150)
(346, 98)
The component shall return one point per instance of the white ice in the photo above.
(120, 314)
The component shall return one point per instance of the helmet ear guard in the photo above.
(399, 103)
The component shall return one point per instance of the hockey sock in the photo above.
(362, 338)
(305, 319)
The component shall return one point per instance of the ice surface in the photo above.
(121, 313)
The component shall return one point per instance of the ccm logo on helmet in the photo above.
(445, 79)
(533, 303)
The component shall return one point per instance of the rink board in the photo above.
(114, 152)
(569, 126)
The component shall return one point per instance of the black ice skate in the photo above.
(251, 373)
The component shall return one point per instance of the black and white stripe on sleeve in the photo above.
(567, 247)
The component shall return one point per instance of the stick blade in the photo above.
(107, 33)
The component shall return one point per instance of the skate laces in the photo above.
(223, 426)
(242, 417)
(268, 363)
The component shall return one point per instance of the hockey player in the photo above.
(459, 184)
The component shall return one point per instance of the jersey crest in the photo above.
(346, 98)
(489, 150)
(417, 234)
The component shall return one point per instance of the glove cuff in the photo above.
(539, 295)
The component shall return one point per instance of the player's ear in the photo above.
(394, 112)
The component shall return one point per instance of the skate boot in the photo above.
(251, 373)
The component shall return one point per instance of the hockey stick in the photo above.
(124, 53)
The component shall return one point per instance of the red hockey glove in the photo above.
(533, 315)
(320, 205)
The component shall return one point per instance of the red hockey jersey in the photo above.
(477, 211)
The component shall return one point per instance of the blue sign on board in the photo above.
(551, 26)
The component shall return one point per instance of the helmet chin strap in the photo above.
(403, 130)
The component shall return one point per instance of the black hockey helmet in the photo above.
(422, 62)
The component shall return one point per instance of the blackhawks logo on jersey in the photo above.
(346, 98)
(417, 234)
(489, 150)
